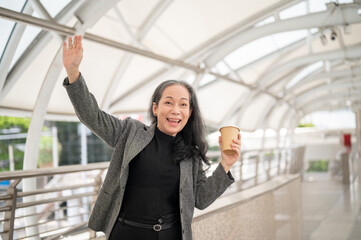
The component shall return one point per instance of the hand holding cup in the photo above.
(230, 144)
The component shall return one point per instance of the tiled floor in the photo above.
(331, 210)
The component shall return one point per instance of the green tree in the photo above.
(12, 125)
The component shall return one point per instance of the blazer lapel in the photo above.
(141, 139)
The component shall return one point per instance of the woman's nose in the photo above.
(175, 110)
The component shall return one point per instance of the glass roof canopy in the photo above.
(254, 64)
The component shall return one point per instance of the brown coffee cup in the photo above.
(228, 133)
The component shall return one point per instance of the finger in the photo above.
(64, 47)
(236, 146)
(80, 44)
(237, 141)
(75, 42)
(70, 43)
(237, 149)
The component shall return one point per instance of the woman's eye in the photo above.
(168, 103)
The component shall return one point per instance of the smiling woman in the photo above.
(173, 109)
(155, 177)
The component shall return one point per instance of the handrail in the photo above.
(20, 174)
(42, 191)
(49, 199)
(255, 166)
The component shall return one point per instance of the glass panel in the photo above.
(251, 52)
(29, 34)
(262, 47)
(54, 7)
(305, 72)
(7, 26)
(294, 11)
(265, 21)
(317, 6)
(207, 79)
(301, 9)
(287, 38)
(222, 68)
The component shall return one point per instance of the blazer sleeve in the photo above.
(209, 189)
(104, 125)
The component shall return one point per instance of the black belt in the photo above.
(156, 227)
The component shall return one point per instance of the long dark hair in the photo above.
(190, 141)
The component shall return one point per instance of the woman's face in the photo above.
(173, 109)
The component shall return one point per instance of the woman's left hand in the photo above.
(229, 159)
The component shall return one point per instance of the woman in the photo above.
(155, 177)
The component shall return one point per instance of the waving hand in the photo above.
(72, 56)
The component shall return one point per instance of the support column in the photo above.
(84, 144)
(11, 157)
(84, 161)
(33, 140)
(278, 147)
(55, 152)
(358, 132)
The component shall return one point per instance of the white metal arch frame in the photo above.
(241, 107)
(347, 14)
(328, 106)
(337, 84)
(140, 35)
(352, 53)
(288, 25)
(34, 48)
(281, 53)
(350, 83)
(287, 78)
(321, 75)
(284, 52)
(348, 88)
(352, 72)
(11, 47)
(326, 96)
(353, 95)
(204, 49)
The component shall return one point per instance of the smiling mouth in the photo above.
(173, 122)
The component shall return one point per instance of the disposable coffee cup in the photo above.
(228, 133)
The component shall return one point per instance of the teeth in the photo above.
(173, 121)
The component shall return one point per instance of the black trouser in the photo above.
(123, 231)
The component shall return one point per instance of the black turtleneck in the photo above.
(152, 188)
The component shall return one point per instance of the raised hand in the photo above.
(228, 160)
(72, 56)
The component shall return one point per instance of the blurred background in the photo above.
(286, 72)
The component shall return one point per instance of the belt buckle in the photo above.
(157, 227)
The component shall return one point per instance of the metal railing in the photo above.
(260, 165)
(60, 209)
(80, 185)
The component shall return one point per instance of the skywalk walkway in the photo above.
(331, 210)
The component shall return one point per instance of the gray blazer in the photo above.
(128, 137)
